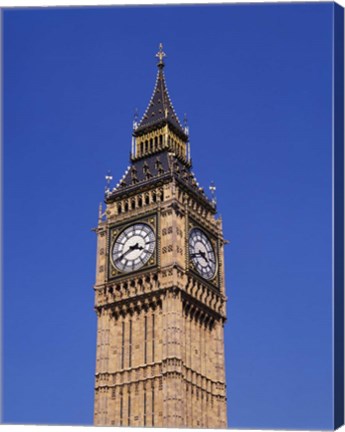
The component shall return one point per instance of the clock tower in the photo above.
(159, 293)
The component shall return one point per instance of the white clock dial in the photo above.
(133, 247)
(201, 253)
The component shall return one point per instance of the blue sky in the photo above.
(255, 82)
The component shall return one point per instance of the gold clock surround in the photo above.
(214, 281)
(116, 230)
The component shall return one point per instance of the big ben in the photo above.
(160, 290)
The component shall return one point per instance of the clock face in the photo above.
(133, 247)
(202, 254)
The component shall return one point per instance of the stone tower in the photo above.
(159, 292)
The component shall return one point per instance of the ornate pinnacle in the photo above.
(100, 212)
(108, 179)
(135, 119)
(213, 192)
(185, 124)
(161, 54)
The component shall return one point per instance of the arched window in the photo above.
(147, 199)
(119, 209)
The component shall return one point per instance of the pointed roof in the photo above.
(160, 110)
(153, 170)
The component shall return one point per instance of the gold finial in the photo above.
(161, 54)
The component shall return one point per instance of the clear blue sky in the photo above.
(256, 84)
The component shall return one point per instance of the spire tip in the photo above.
(161, 54)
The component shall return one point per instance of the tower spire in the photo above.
(160, 110)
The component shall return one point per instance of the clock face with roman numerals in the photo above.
(133, 247)
(202, 254)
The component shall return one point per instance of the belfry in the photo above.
(160, 292)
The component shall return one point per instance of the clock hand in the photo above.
(130, 249)
(197, 253)
(124, 254)
(203, 254)
(136, 247)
